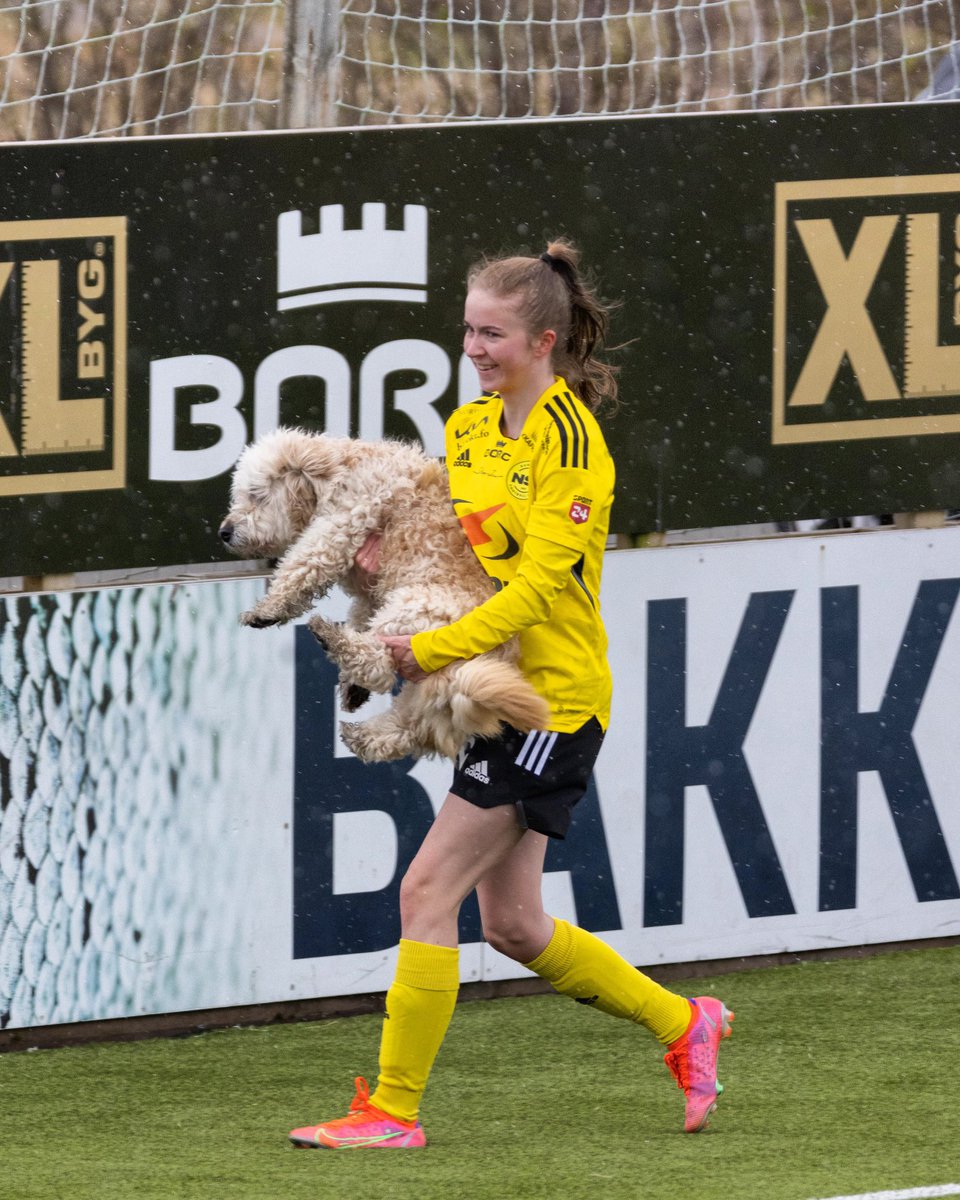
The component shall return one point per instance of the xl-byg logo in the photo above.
(867, 308)
(63, 335)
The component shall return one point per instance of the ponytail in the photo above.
(594, 380)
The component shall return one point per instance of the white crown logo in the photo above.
(377, 263)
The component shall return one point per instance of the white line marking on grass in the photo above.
(920, 1193)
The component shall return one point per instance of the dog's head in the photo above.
(276, 488)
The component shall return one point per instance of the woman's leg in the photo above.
(463, 844)
(573, 961)
(584, 967)
(511, 901)
(579, 964)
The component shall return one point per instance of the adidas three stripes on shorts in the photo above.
(543, 773)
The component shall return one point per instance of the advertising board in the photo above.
(786, 288)
(182, 829)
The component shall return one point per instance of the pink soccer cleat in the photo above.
(693, 1060)
(364, 1125)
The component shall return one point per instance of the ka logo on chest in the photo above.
(867, 309)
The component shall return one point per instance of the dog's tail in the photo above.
(489, 691)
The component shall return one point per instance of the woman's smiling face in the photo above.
(507, 358)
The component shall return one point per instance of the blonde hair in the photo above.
(552, 293)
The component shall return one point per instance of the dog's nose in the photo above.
(226, 533)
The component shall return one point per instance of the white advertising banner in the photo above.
(181, 828)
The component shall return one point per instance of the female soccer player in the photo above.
(532, 482)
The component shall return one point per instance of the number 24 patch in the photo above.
(579, 512)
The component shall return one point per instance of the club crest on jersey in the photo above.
(518, 480)
(579, 512)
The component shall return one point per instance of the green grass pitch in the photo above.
(840, 1078)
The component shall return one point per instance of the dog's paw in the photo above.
(354, 737)
(323, 630)
(256, 619)
(371, 743)
(353, 696)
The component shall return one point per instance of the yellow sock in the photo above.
(579, 965)
(420, 1003)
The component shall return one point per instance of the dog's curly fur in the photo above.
(311, 500)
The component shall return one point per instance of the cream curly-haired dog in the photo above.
(311, 500)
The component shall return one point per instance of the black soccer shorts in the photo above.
(543, 773)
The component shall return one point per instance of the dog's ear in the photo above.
(301, 498)
(304, 462)
(315, 455)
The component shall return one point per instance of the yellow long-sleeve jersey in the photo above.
(536, 510)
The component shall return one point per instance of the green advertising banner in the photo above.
(787, 290)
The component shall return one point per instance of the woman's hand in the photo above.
(403, 658)
(367, 558)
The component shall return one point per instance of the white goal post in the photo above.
(96, 68)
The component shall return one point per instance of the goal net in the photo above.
(586, 57)
(91, 68)
(81, 68)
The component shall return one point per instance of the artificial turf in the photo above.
(840, 1079)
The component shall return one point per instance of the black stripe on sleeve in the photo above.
(561, 430)
(578, 430)
(579, 420)
(574, 432)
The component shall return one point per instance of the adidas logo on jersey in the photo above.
(463, 460)
(478, 771)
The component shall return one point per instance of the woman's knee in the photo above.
(412, 893)
(518, 934)
(422, 894)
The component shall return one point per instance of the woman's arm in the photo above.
(543, 573)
